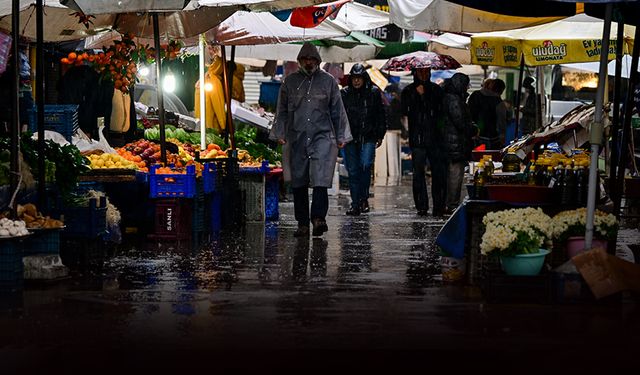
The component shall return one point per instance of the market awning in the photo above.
(251, 28)
(432, 15)
(574, 39)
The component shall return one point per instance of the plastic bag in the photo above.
(86, 144)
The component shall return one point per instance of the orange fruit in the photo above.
(72, 56)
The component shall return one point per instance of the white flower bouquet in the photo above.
(573, 223)
(516, 231)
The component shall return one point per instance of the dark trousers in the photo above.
(439, 165)
(359, 159)
(319, 204)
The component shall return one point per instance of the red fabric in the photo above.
(310, 17)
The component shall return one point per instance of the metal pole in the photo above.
(615, 125)
(596, 128)
(156, 41)
(518, 96)
(232, 68)
(626, 127)
(203, 130)
(227, 96)
(15, 101)
(42, 198)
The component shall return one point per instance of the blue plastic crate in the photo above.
(172, 185)
(209, 178)
(262, 169)
(199, 209)
(142, 177)
(272, 196)
(61, 118)
(215, 212)
(11, 268)
(86, 222)
(43, 241)
(269, 91)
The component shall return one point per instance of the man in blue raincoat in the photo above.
(312, 125)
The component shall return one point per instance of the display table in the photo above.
(467, 221)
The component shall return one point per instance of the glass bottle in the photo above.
(479, 181)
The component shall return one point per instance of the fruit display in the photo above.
(149, 153)
(11, 228)
(110, 161)
(34, 219)
(213, 151)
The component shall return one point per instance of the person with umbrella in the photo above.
(421, 103)
(421, 106)
(312, 125)
(367, 121)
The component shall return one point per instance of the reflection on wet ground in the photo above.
(366, 295)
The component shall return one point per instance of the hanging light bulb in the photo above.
(144, 71)
(169, 82)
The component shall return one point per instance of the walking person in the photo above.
(421, 106)
(489, 113)
(458, 130)
(528, 123)
(312, 125)
(367, 121)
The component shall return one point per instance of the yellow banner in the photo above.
(506, 52)
(546, 52)
(498, 52)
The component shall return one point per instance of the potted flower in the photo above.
(519, 236)
(569, 228)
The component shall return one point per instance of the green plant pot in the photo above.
(524, 264)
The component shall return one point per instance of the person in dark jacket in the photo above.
(489, 113)
(367, 120)
(312, 125)
(421, 106)
(458, 130)
(528, 123)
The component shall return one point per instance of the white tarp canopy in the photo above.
(252, 28)
(289, 52)
(454, 45)
(431, 15)
(594, 67)
(60, 25)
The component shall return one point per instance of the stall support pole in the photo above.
(203, 125)
(615, 125)
(626, 127)
(227, 96)
(518, 96)
(597, 129)
(42, 198)
(156, 41)
(15, 101)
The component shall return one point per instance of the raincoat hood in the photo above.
(310, 51)
(458, 84)
(358, 71)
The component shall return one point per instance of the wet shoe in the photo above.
(302, 231)
(319, 227)
(353, 212)
(364, 206)
(423, 212)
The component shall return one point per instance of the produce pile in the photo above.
(11, 228)
(34, 219)
(63, 164)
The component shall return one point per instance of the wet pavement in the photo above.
(366, 296)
